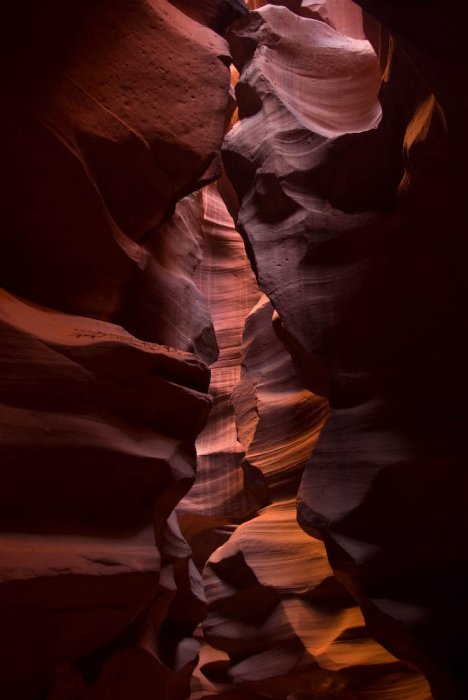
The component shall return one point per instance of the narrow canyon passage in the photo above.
(232, 417)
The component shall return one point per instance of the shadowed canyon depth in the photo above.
(233, 389)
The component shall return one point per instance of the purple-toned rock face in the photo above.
(361, 254)
(279, 624)
(232, 462)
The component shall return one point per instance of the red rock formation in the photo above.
(278, 421)
(351, 255)
(217, 14)
(113, 116)
(103, 131)
(285, 624)
(101, 95)
(97, 429)
(228, 284)
(163, 303)
(342, 15)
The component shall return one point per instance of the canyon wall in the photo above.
(152, 544)
(278, 623)
(349, 178)
(103, 132)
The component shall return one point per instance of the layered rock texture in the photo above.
(228, 284)
(279, 624)
(355, 227)
(98, 595)
(232, 461)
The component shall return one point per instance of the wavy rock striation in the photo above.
(117, 272)
(97, 432)
(287, 625)
(343, 15)
(352, 258)
(279, 623)
(278, 421)
(227, 282)
(103, 131)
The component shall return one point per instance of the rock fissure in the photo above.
(232, 391)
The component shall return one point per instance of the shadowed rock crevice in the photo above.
(232, 452)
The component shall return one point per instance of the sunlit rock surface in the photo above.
(343, 15)
(351, 256)
(117, 271)
(287, 624)
(228, 284)
(278, 621)
(278, 420)
(297, 58)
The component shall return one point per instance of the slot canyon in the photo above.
(234, 424)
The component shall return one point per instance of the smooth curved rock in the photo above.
(278, 420)
(282, 624)
(97, 439)
(101, 94)
(103, 131)
(343, 15)
(287, 624)
(353, 213)
(228, 284)
(163, 303)
(277, 617)
(296, 58)
(352, 258)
